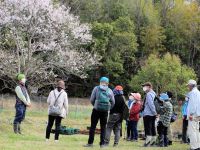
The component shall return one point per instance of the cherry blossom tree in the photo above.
(42, 39)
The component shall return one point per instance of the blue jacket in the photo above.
(149, 106)
(184, 108)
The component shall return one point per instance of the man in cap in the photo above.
(193, 114)
(22, 101)
(103, 100)
(149, 114)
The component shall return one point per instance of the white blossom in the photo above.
(45, 38)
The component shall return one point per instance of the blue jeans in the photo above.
(20, 113)
(134, 131)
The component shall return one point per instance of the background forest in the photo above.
(133, 41)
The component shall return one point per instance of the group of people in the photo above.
(110, 108)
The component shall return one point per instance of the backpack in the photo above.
(103, 100)
(126, 112)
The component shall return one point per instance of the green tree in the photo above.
(166, 73)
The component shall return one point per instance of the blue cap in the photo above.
(104, 79)
(164, 97)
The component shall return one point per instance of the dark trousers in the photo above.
(51, 120)
(20, 113)
(95, 117)
(149, 125)
(134, 131)
(184, 130)
(162, 132)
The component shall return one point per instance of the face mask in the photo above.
(131, 97)
(103, 86)
(144, 88)
(186, 99)
(23, 81)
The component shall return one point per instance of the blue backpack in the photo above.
(103, 100)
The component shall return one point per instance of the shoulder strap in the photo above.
(57, 97)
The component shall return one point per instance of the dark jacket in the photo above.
(119, 105)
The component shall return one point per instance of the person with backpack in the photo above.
(102, 99)
(22, 102)
(149, 115)
(134, 117)
(115, 117)
(128, 123)
(164, 120)
(57, 110)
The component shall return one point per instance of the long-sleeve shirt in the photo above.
(62, 101)
(21, 96)
(149, 106)
(166, 113)
(184, 108)
(194, 103)
(95, 95)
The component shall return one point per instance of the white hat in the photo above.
(192, 82)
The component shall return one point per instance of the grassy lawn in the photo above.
(34, 131)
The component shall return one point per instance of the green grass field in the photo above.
(34, 131)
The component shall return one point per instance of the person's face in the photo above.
(146, 89)
(59, 89)
(180, 102)
(190, 87)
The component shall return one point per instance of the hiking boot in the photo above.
(19, 129)
(88, 145)
(15, 128)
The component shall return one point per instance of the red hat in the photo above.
(119, 88)
(136, 96)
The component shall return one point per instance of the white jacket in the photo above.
(194, 103)
(62, 101)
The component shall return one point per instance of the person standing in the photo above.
(102, 99)
(135, 115)
(164, 120)
(185, 121)
(115, 117)
(193, 115)
(128, 123)
(149, 115)
(57, 110)
(22, 101)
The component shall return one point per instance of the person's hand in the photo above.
(191, 117)
(29, 105)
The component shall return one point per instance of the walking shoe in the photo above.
(170, 143)
(115, 145)
(147, 144)
(56, 141)
(88, 145)
(103, 146)
(47, 140)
